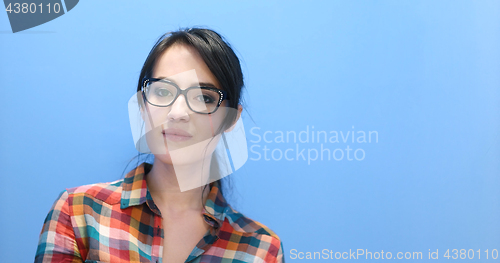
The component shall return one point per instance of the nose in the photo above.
(179, 110)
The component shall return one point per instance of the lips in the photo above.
(176, 135)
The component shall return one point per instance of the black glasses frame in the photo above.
(145, 81)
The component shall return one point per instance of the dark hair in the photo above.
(217, 55)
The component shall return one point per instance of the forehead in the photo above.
(179, 59)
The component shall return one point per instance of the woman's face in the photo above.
(177, 135)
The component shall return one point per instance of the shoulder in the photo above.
(254, 239)
(107, 192)
(244, 224)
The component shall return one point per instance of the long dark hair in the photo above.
(217, 55)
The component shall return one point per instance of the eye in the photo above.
(207, 99)
(162, 92)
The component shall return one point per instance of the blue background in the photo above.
(424, 74)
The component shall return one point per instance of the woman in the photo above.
(173, 210)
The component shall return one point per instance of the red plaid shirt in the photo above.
(119, 222)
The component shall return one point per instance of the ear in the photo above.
(240, 109)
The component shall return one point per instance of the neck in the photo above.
(168, 186)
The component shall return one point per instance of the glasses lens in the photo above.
(160, 93)
(203, 100)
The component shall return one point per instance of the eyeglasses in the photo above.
(163, 93)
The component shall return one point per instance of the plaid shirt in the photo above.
(119, 222)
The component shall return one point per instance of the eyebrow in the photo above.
(206, 84)
(202, 84)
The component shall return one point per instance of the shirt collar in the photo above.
(216, 205)
(135, 192)
(134, 187)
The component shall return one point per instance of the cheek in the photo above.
(208, 125)
(154, 118)
(159, 115)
